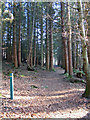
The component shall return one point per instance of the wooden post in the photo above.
(11, 86)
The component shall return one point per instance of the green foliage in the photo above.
(69, 76)
(66, 74)
(83, 81)
(0, 95)
(78, 71)
(21, 75)
(4, 73)
(35, 71)
(33, 86)
(15, 68)
(46, 86)
(12, 65)
(43, 68)
(53, 69)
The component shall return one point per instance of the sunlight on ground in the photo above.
(62, 113)
(69, 114)
(69, 90)
(7, 94)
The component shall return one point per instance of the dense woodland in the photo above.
(47, 34)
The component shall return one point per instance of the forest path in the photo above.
(53, 97)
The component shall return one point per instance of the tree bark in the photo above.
(74, 54)
(28, 28)
(19, 42)
(77, 54)
(88, 34)
(29, 60)
(69, 43)
(64, 38)
(51, 36)
(47, 42)
(8, 38)
(14, 36)
(0, 39)
(41, 37)
(84, 50)
(34, 60)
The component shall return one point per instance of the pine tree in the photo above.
(0, 36)
(14, 36)
(41, 36)
(69, 42)
(19, 42)
(64, 38)
(84, 49)
(47, 41)
(51, 35)
(30, 60)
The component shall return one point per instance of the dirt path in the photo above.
(54, 96)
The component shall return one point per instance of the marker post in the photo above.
(11, 86)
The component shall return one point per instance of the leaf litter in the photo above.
(43, 94)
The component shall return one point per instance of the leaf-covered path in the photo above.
(42, 94)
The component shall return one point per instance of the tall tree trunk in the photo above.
(51, 35)
(10, 47)
(9, 54)
(37, 49)
(88, 34)
(74, 54)
(84, 50)
(64, 38)
(29, 60)
(19, 42)
(41, 37)
(0, 50)
(28, 28)
(87, 30)
(34, 60)
(77, 54)
(47, 42)
(69, 43)
(8, 38)
(14, 36)
(0, 39)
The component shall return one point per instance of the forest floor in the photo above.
(42, 94)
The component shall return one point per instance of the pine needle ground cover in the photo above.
(42, 94)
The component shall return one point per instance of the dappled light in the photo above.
(55, 99)
(45, 59)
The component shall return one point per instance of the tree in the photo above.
(77, 54)
(19, 42)
(51, 35)
(47, 40)
(41, 36)
(84, 49)
(87, 17)
(69, 42)
(28, 26)
(34, 48)
(0, 36)
(14, 37)
(64, 38)
(29, 60)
